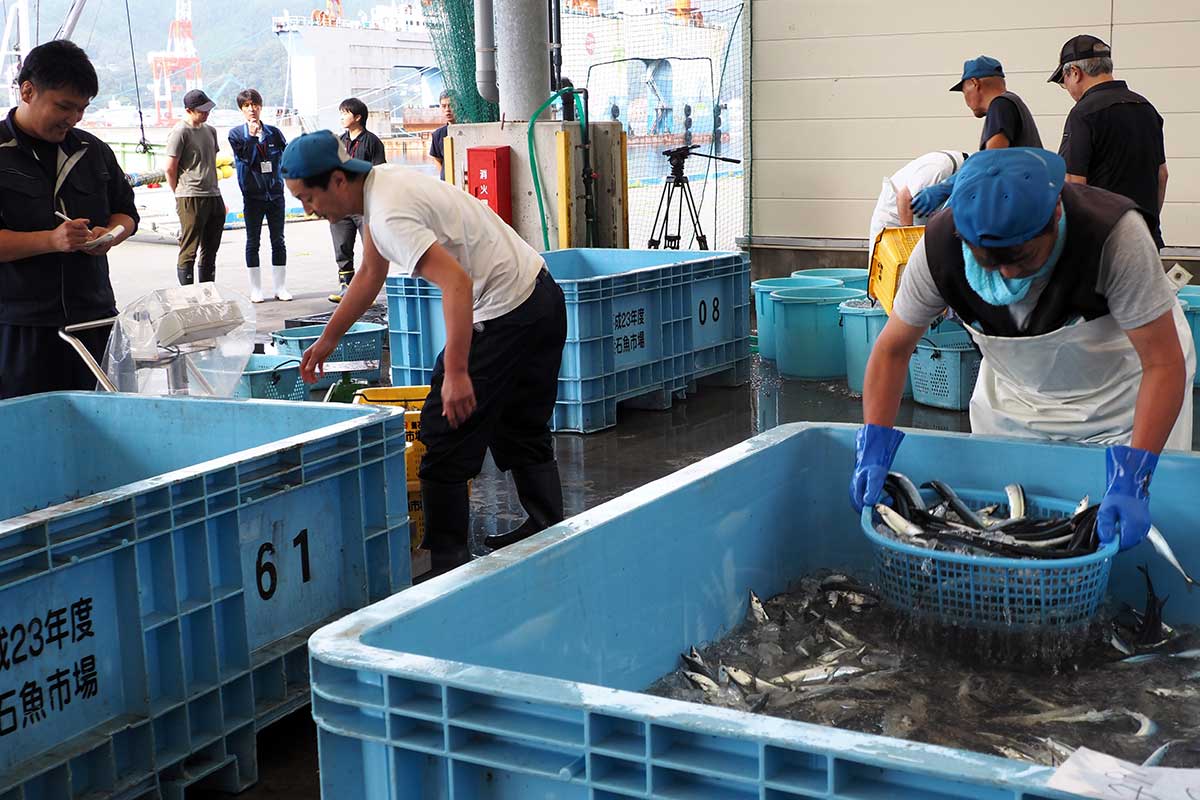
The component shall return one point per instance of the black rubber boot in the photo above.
(208, 274)
(447, 512)
(185, 276)
(540, 492)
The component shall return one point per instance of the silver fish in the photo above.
(1189, 654)
(1119, 644)
(756, 613)
(896, 522)
(911, 492)
(1146, 726)
(702, 682)
(1016, 500)
(1083, 506)
(1155, 758)
(750, 683)
(819, 674)
(1163, 549)
(1058, 751)
(1186, 693)
(695, 662)
(847, 638)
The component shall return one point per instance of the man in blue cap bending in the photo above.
(494, 385)
(1007, 121)
(1061, 288)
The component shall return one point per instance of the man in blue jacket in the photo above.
(257, 148)
(55, 272)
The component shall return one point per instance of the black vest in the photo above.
(1029, 133)
(1071, 291)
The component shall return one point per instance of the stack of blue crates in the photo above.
(162, 564)
(642, 326)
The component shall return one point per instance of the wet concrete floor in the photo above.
(644, 446)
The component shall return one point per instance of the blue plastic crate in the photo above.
(363, 342)
(1013, 595)
(164, 561)
(272, 378)
(1189, 298)
(944, 368)
(496, 708)
(642, 326)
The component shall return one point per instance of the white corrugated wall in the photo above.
(846, 91)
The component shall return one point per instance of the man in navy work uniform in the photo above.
(1113, 138)
(49, 275)
(1007, 121)
(437, 141)
(495, 383)
(257, 148)
(1061, 288)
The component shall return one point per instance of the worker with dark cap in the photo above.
(1083, 340)
(1113, 138)
(1006, 121)
(496, 381)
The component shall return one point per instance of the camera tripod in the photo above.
(677, 193)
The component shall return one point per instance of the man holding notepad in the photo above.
(65, 203)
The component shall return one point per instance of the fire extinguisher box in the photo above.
(488, 173)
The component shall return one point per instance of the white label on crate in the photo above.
(60, 657)
(1094, 774)
(712, 313)
(637, 333)
(293, 560)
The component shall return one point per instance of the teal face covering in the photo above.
(997, 290)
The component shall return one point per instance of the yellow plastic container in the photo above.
(889, 256)
(411, 399)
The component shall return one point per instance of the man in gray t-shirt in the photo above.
(1062, 291)
(192, 176)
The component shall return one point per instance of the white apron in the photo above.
(1078, 383)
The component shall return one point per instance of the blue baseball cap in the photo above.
(315, 153)
(982, 67)
(1006, 196)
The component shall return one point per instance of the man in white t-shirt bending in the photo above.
(495, 383)
(894, 207)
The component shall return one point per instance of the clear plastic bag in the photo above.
(184, 340)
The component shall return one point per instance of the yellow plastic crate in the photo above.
(891, 250)
(411, 399)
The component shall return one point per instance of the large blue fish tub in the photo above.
(520, 675)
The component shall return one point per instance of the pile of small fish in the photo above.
(827, 652)
(951, 524)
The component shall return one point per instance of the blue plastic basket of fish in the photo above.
(1038, 571)
(272, 378)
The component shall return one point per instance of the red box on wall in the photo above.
(488, 178)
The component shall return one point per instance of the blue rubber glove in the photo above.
(931, 198)
(874, 450)
(1125, 511)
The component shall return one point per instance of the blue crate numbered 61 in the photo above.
(642, 327)
(162, 562)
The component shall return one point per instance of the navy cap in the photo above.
(1006, 196)
(196, 100)
(982, 67)
(315, 153)
(1078, 48)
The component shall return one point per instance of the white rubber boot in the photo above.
(255, 275)
(279, 273)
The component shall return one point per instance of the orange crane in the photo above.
(176, 70)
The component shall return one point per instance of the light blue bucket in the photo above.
(765, 311)
(1189, 298)
(808, 339)
(850, 278)
(861, 326)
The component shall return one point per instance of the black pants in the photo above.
(202, 221)
(513, 364)
(255, 211)
(344, 232)
(34, 359)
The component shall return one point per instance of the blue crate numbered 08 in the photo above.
(712, 314)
